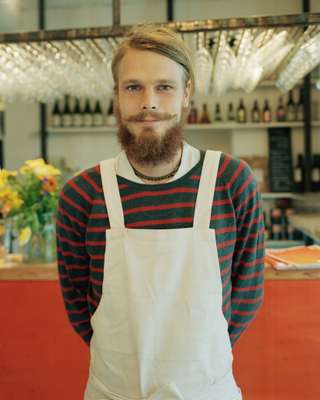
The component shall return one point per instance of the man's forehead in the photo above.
(136, 64)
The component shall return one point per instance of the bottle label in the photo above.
(77, 120)
(56, 121)
(315, 175)
(66, 120)
(97, 119)
(297, 175)
(87, 120)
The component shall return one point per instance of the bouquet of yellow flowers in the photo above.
(31, 196)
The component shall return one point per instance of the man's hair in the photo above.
(160, 40)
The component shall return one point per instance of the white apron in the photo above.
(159, 332)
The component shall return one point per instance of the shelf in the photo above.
(218, 126)
(281, 195)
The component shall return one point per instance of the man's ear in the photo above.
(187, 94)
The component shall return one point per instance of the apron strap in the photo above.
(111, 193)
(203, 207)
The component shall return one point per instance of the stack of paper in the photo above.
(299, 257)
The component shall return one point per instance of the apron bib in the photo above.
(159, 332)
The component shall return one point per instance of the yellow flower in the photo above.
(39, 168)
(9, 200)
(24, 236)
(4, 175)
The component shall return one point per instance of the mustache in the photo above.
(141, 116)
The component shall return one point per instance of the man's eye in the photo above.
(165, 87)
(132, 88)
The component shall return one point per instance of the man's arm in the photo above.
(248, 259)
(73, 260)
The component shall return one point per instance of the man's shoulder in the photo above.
(87, 180)
(231, 165)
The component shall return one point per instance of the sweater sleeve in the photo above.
(248, 257)
(73, 260)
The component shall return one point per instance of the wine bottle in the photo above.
(298, 175)
(56, 118)
(87, 114)
(193, 114)
(205, 119)
(281, 111)
(291, 108)
(77, 116)
(255, 113)
(217, 114)
(266, 115)
(241, 112)
(110, 118)
(315, 173)
(97, 115)
(66, 115)
(231, 116)
(300, 106)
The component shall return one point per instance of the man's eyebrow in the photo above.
(159, 81)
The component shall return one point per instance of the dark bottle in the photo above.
(66, 115)
(266, 114)
(77, 116)
(255, 113)
(56, 118)
(193, 114)
(281, 111)
(291, 108)
(300, 106)
(97, 115)
(315, 173)
(298, 175)
(231, 116)
(217, 114)
(87, 114)
(205, 119)
(110, 117)
(276, 223)
(241, 112)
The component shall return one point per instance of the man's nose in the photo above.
(149, 100)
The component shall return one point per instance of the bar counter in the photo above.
(48, 272)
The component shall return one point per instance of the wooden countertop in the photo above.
(49, 272)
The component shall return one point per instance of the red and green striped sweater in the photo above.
(237, 218)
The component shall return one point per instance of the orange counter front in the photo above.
(41, 358)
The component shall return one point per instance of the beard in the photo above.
(149, 148)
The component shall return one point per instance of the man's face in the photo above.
(150, 105)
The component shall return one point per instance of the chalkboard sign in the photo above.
(280, 161)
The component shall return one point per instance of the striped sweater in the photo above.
(236, 217)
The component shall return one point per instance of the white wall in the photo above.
(22, 120)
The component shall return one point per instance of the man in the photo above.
(160, 249)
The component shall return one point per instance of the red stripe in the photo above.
(67, 228)
(250, 276)
(96, 229)
(97, 283)
(160, 222)
(159, 207)
(247, 301)
(73, 219)
(91, 182)
(221, 202)
(99, 216)
(95, 243)
(235, 175)
(71, 254)
(72, 203)
(251, 264)
(72, 242)
(226, 229)
(243, 313)
(81, 279)
(81, 192)
(247, 288)
(80, 311)
(242, 187)
(97, 256)
(158, 193)
(226, 243)
(239, 324)
(224, 165)
(96, 269)
(222, 216)
(254, 235)
(246, 201)
(77, 323)
(72, 301)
